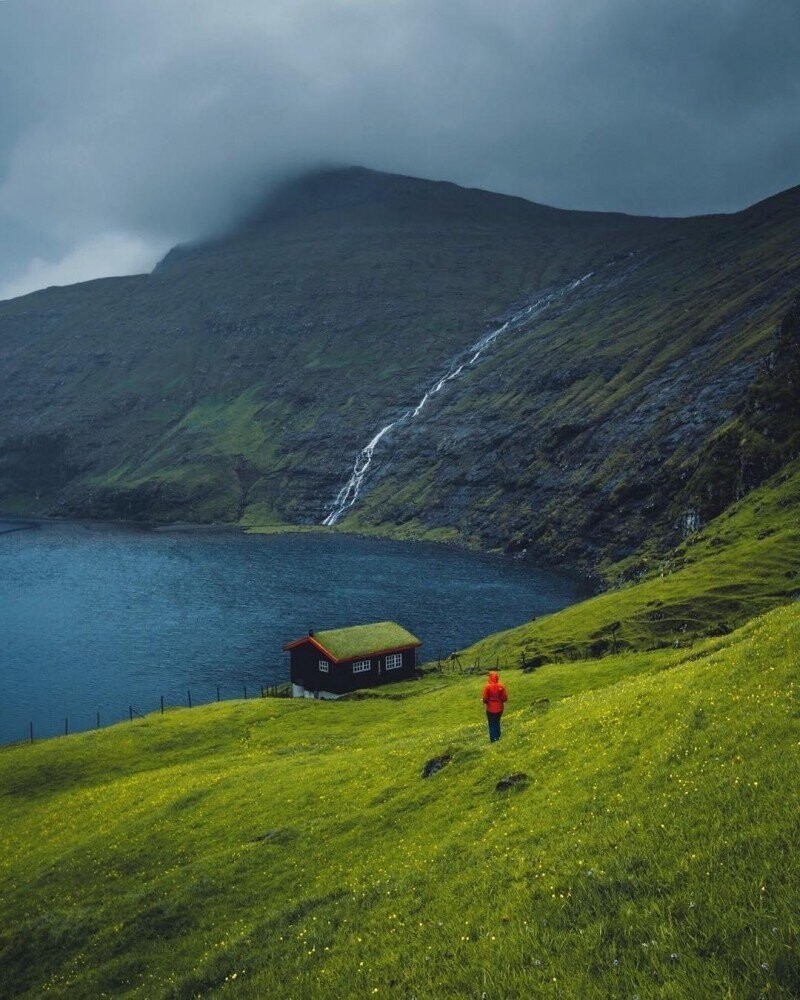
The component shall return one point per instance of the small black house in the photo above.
(331, 663)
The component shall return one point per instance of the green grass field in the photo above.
(292, 849)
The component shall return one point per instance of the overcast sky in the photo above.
(128, 126)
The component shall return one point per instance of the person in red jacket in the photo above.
(494, 698)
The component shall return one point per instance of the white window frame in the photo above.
(362, 666)
(324, 667)
(394, 661)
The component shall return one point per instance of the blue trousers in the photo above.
(494, 725)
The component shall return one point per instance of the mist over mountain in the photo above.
(239, 381)
(127, 128)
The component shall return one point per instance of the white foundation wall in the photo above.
(298, 691)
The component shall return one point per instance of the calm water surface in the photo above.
(94, 618)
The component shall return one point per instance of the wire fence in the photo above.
(451, 663)
(454, 663)
(164, 704)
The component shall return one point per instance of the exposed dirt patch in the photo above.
(436, 764)
(518, 780)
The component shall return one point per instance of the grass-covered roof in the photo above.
(345, 643)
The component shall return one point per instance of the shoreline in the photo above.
(155, 526)
(389, 533)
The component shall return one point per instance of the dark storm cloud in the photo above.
(125, 127)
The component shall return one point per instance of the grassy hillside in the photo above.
(239, 380)
(293, 849)
(741, 564)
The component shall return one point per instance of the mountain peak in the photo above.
(341, 198)
(354, 187)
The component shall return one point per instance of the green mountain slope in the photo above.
(741, 564)
(239, 381)
(293, 849)
(634, 413)
(243, 372)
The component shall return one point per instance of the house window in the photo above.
(362, 666)
(324, 667)
(394, 661)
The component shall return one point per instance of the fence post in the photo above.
(130, 711)
(98, 719)
(262, 690)
(162, 704)
(245, 692)
(217, 692)
(31, 732)
(66, 726)
(189, 693)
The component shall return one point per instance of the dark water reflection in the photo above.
(97, 618)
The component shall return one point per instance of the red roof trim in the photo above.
(313, 641)
(377, 652)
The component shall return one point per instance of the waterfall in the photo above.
(464, 360)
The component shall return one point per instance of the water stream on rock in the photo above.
(348, 494)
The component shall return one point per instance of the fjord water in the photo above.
(99, 618)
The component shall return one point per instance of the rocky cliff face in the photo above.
(762, 434)
(240, 381)
(637, 411)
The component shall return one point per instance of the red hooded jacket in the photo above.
(494, 694)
